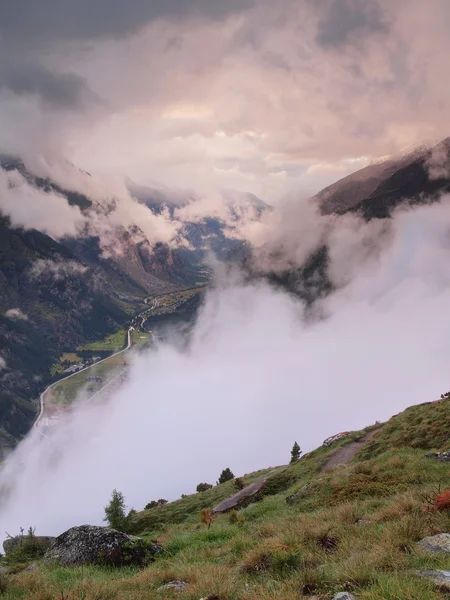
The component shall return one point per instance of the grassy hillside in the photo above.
(44, 315)
(353, 527)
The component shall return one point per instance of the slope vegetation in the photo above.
(313, 531)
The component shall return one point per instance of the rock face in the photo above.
(441, 456)
(240, 498)
(91, 545)
(437, 543)
(11, 543)
(440, 578)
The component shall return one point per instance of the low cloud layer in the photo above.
(29, 207)
(255, 370)
(16, 313)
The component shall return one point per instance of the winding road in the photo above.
(42, 396)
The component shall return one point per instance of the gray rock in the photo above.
(440, 578)
(12, 543)
(177, 586)
(364, 522)
(241, 498)
(92, 545)
(344, 596)
(334, 438)
(436, 543)
(440, 456)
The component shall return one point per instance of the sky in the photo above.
(252, 95)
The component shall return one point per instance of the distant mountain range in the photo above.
(57, 295)
(418, 176)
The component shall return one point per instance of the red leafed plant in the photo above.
(437, 501)
(442, 501)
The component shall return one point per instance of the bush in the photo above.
(30, 548)
(203, 487)
(156, 503)
(239, 483)
(115, 514)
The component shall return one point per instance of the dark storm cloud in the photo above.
(31, 28)
(60, 90)
(32, 20)
(345, 20)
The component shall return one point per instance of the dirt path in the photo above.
(344, 455)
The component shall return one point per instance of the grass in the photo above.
(65, 360)
(426, 427)
(66, 391)
(111, 343)
(352, 528)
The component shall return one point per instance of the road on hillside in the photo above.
(42, 396)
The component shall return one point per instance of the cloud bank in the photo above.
(255, 376)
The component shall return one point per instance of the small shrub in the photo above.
(203, 487)
(30, 548)
(207, 517)
(442, 501)
(234, 517)
(239, 483)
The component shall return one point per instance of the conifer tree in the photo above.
(226, 475)
(295, 453)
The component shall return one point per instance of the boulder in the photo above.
(436, 543)
(242, 498)
(440, 578)
(334, 438)
(440, 456)
(344, 596)
(11, 543)
(92, 545)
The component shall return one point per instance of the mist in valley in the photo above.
(259, 372)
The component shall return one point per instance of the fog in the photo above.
(255, 376)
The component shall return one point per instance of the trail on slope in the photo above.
(346, 453)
